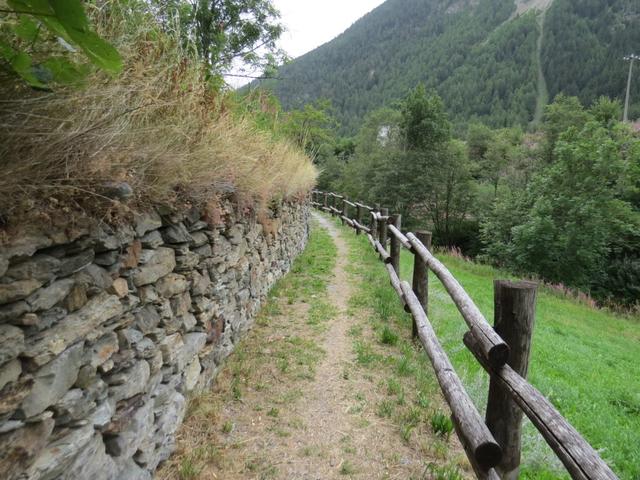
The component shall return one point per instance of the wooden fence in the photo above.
(492, 445)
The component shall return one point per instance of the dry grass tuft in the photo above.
(158, 127)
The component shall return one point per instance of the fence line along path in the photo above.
(493, 446)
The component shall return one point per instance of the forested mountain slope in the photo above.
(481, 56)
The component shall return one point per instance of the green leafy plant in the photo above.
(26, 47)
(441, 424)
(388, 336)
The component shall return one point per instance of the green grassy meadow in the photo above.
(584, 360)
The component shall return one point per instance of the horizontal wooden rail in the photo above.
(361, 227)
(579, 458)
(496, 350)
(379, 217)
(366, 207)
(485, 450)
(347, 220)
(400, 236)
(384, 255)
(372, 240)
(351, 204)
(396, 284)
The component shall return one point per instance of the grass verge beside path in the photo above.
(584, 360)
(411, 398)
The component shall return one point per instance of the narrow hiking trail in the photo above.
(293, 401)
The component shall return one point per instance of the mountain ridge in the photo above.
(481, 56)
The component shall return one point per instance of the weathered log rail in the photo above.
(493, 446)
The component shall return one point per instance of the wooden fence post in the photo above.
(382, 228)
(374, 222)
(515, 306)
(421, 277)
(345, 209)
(395, 247)
(359, 218)
(325, 201)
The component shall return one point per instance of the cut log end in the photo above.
(499, 355)
(488, 455)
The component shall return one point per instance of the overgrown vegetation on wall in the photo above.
(165, 129)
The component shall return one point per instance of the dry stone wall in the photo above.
(104, 332)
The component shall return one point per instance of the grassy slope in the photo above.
(584, 360)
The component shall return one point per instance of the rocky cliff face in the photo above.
(104, 332)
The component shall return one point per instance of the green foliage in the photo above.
(388, 336)
(479, 57)
(576, 221)
(26, 35)
(584, 43)
(227, 31)
(441, 424)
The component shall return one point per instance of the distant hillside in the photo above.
(486, 58)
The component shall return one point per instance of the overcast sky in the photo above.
(310, 23)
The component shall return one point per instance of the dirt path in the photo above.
(293, 402)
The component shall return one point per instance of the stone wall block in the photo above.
(45, 298)
(104, 331)
(146, 222)
(176, 233)
(46, 345)
(172, 284)
(19, 447)
(161, 262)
(11, 343)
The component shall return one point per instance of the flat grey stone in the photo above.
(102, 415)
(103, 349)
(74, 406)
(172, 284)
(10, 426)
(19, 447)
(18, 290)
(192, 374)
(152, 240)
(176, 233)
(45, 298)
(161, 263)
(193, 344)
(53, 381)
(78, 325)
(94, 276)
(108, 258)
(12, 312)
(147, 319)
(134, 381)
(38, 267)
(11, 343)
(171, 348)
(59, 456)
(70, 265)
(92, 463)
(146, 222)
(10, 372)
(139, 427)
(130, 470)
